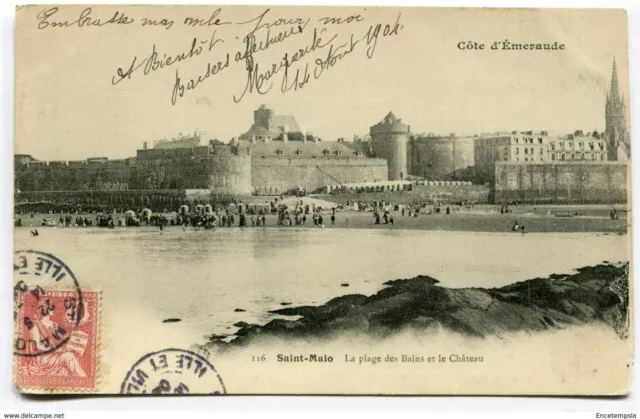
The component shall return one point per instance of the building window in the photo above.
(326, 152)
(516, 140)
(582, 156)
(517, 150)
(601, 156)
(526, 159)
(540, 140)
(553, 157)
(562, 157)
(359, 153)
(280, 152)
(339, 152)
(299, 152)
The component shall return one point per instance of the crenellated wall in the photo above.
(222, 169)
(77, 175)
(274, 175)
(568, 182)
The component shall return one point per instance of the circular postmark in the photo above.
(172, 371)
(44, 315)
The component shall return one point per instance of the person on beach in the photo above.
(333, 218)
(304, 219)
(522, 229)
(264, 220)
(516, 227)
(390, 222)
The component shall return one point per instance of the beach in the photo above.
(487, 218)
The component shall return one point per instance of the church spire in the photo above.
(616, 131)
(614, 91)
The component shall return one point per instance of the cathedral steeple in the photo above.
(616, 120)
(614, 91)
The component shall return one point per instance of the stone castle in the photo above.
(275, 156)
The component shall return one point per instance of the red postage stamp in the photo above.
(58, 337)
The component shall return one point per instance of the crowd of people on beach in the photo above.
(299, 215)
(302, 213)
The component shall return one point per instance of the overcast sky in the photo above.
(68, 108)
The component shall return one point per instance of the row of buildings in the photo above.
(275, 156)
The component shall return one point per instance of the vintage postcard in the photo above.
(321, 200)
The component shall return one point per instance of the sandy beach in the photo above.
(539, 219)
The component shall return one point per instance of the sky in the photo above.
(68, 107)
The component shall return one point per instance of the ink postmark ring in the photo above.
(36, 273)
(172, 371)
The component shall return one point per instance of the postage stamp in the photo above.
(35, 272)
(50, 322)
(56, 332)
(173, 371)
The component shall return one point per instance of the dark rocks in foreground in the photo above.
(171, 320)
(595, 294)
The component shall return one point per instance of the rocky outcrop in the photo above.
(591, 295)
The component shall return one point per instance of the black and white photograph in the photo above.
(292, 200)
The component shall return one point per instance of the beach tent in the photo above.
(231, 208)
(199, 209)
(263, 207)
(146, 214)
(208, 209)
(184, 210)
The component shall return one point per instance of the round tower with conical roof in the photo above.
(389, 140)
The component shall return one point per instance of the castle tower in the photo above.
(263, 117)
(389, 141)
(616, 132)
